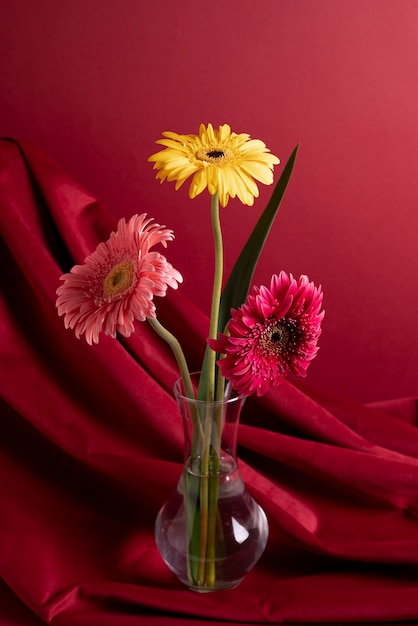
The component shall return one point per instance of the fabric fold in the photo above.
(91, 446)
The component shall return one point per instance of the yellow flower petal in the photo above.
(258, 171)
(225, 162)
(198, 184)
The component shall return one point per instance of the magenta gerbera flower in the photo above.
(117, 283)
(272, 335)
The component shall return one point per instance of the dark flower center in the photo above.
(279, 334)
(215, 154)
(279, 339)
(276, 338)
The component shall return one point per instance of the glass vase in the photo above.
(211, 531)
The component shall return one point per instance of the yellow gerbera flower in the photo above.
(223, 161)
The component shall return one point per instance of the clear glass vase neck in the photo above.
(210, 429)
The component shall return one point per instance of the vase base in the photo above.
(224, 587)
(244, 536)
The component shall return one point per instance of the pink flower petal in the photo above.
(118, 281)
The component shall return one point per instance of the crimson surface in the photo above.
(91, 446)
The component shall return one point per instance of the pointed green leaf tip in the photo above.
(238, 285)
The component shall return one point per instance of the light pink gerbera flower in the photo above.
(117, 283)
(272, 335)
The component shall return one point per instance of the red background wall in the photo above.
(95, 82)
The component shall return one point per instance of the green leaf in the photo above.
(239, 282)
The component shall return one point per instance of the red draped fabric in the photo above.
(91, 447)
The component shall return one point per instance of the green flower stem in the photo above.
(207, 427)
(204, 498)
(214, 483)
(184, 371)
(201, 440)
(178, 353)
(213, 515)
(216, 293)
(210, 453)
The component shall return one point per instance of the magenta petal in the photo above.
(276, 330)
